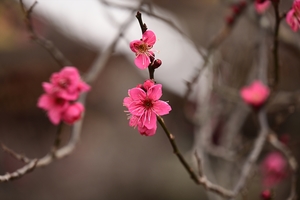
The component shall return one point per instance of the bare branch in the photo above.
(46, 44)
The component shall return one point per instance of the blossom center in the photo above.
(59, 101)
(142, 48)
(148, 103)
(64, 83)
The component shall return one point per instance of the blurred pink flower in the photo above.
(54, 106)
(266, 195)
(274, 169)
(72, 113)
(293, 16)
(144, 106)
(255, 94)
(142, 49)
(66, 84)
(261, 5)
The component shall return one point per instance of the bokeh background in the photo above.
(112, 161)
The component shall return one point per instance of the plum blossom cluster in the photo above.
(255, 94)
(144, 105)
(293, 16)
(61, 94)
(143, 101)
(274, 169)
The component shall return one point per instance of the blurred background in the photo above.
(112, 161)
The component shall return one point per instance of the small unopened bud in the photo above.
(156, 63)
(266, 195)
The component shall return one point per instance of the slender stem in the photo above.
(151, 71)
(142, 24)
(177, 152)
(57, 140)
(275, 44)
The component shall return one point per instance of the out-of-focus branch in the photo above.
(215, 43)
(258, 145)
(273, 140)
(46, 44)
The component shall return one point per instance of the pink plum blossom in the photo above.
(266, 195)
(66, 84)
(142, 47)
(144, 105)
(293, 16)
(255, 94)
(54, 106)
(72, 113)
(274, 169)
(261, 5)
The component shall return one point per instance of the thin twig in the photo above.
(275, 44)
(17, 156)
(198, 180)
(46, 44)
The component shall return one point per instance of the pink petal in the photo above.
(127, 101)
(48, 87)
(292, 21)
(133, 121)
(149, 38)
(45, 102)
(145, 131)
(136, 108)
(149, 119)
(137, 94)
(142, 61)
(83, 87)
(161, 107)
(54, 116)
(134, 44)
(155, 92)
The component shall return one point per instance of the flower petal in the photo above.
(136, 108)
(134, 44)
(45, 102)
(127, 101)
(149, 38)
(145, 131)
(142, 61)
(155, 92)
(161, 107)
(54, 116)
(137, 94)
(149, 119)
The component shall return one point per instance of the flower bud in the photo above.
(147, 84)
(73, 113)
(156, 63)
